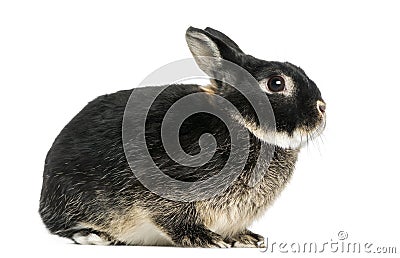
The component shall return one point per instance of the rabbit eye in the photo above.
(276, 83)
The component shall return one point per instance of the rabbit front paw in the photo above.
(248, 239)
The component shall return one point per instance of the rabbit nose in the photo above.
(321, 106)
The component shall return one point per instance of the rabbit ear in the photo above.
(212, 44)
(224, 38)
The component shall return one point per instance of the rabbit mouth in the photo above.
(300, 137)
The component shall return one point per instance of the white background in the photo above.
(56, 56)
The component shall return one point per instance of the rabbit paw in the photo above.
(248, 239)
(202, 238)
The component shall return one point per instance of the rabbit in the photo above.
(90, 195)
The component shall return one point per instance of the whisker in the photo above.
(318, 145)
(316, 137)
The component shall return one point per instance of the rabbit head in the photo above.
(296, 101)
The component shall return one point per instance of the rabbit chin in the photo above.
(282, 139)
(296, 140)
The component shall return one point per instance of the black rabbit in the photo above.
(91, 196)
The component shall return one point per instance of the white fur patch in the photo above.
(91, 239)
(280, 139)
(145, 233)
